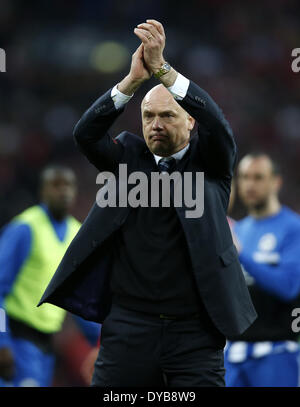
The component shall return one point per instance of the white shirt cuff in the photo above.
(180, 87)
(119, 98)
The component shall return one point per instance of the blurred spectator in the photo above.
(267, 353)
(31, 247)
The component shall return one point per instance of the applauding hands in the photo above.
(148, 59)
(153, 38)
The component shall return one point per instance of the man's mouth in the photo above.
(158, 137)
(250, 195)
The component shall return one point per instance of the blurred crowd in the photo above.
(62, 55)
(58, 63)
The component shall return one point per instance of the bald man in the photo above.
(168, 287)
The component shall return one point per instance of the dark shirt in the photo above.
(152, 269)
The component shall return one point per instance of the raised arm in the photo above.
(91, 132)
(217, 147)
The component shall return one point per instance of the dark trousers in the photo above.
(139, 349)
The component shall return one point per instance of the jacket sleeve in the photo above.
(217, 148)
(91, 134)
(281, 280)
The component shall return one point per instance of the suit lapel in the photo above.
(147, 162)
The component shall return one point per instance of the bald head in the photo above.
(264, 159)
(166, 125)
(159, 92)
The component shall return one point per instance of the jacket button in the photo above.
(100, 109)
(200, 100)
(74, 262)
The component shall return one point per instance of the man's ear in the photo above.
(191, 124)
(278, 183)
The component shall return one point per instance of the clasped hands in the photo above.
(148, 58)
(153, 39)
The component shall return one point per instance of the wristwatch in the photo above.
(165, 68)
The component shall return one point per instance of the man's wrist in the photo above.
(155, 68)
(119, 98)
(129, 86)
(169, 78)
(165, 73)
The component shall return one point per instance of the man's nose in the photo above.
(250, 183)
(63, 189)
(157, 125)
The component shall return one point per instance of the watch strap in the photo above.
(165, 68)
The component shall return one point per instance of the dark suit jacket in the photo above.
(81, 282)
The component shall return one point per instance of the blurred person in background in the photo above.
(87, 367)
(267, 353)
(31, 246)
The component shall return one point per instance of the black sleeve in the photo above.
(217, 147)
(91, 134)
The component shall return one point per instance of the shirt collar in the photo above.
(178, 156)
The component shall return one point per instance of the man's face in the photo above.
(257, 182)
(58, 191)
(166, 126)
